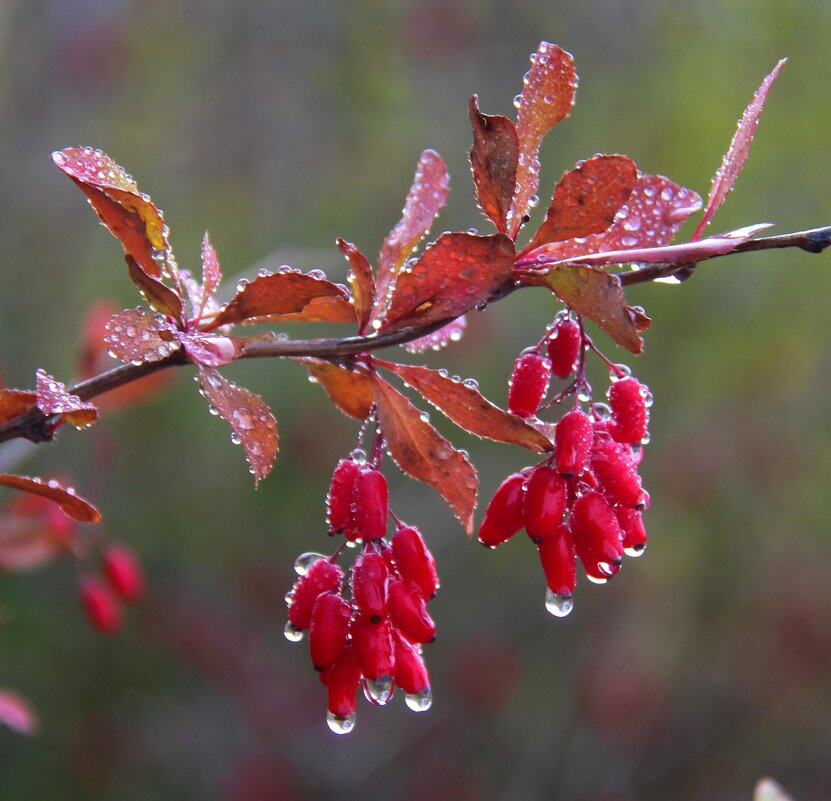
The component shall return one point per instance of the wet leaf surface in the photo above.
(73, 505)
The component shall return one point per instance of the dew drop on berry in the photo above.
(340, 724)
(378, 691)
(292, 633)
(596, 579)
(636, 550)
(305, 561)
(558, 605)
(419, 702)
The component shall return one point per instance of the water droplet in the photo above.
(558, 605)
(339, 724)
(305, 561)
(632, 223)
(235, 438)
(358, 455)
(378, 691)
(419, 702)
(243, 418)
(636, 550)
(424, 417)
(470, 383)
(517, 101)
(292, 633)
(596, 579)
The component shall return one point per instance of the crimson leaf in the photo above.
(72, 505)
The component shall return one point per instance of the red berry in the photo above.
(504, 515)
(414, 561)
(323, 576)
(370, 578)
(124, 573)
(328, 629)
(595, 523)
(528, 384)
(597, 569)
(564, 348)
(339, 499)
(630, 414)
(100, 605)
(408, 613)
(634, 533)
(557, 556)
(573, 437)
(410, 673)
(374, 649)
(545, 503)
(370, 502)
(617, 472)
(342, 680)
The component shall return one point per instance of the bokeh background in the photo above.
(280, 125)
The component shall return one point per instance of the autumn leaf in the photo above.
(457, 272)
(53, 398)
(349, 389)
(211, 274)
(72, 505)
(14, 402)
(421, 452)
(493, 161)
(211, 350)
(17, 713)
(440, 338)
(286, 296)
(137, 336)
(362, 282)
(737, 153)
(586, 199)
(251, 421)
(159, 296)
(468, 409)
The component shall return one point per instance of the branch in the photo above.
(38, 427)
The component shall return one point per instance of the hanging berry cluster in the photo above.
(367, 624)
(585, 500)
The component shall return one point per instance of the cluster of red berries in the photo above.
(584, 501)
(121, 581)
(366, 625)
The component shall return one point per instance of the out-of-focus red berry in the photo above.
(100, 605)
(504, 515)
(528, 384)
(124, 572)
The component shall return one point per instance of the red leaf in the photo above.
(586, 199)
(425, 200)
(14, 402)
(248, 415)
(442, 337)
(349, 390)
(72, 505)
(52, 398)
(17, 713)
(421, 452)
(211, 350)
(466, 407)
(457, 272)
(129, 215)
(546, 99)
(159, 296)
(361, 281)
(738, 151)
(287, 296)
(599, 296)
(211, 274)
(137, 336)
(493, 161)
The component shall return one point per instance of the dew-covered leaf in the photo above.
(441, 338)
(211, 273)
(159, 296)
(137, 336)
(362, 282)
(72, 505)
(287, 296)
(53, 398)
(129, 215)
(586, 199)
(493, 161)
(349, 389)
(462, 402)
(457, 272)
(211, 350)
(738, 151)
(14, 402)
(599, 296)
(17, 713)
(421, 452)
(425, 200)
(251, 421)
(546, 99)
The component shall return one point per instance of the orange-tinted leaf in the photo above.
(441, 338)
(72, 505)
(17, 713)
(361, 281)
(14, 402)
(493, 160)
(137, 336)
(350, 390)
(468, 409)
(546, 99)
(421, 452)
(52, 398)
(248, 415)
(642, 322)
(457, 272)
(159, 296)
(425, 200)
(736, 155)
(211, 273)
(599, 296)
(288, 296)
(211, 350)
(586, 199)
(129, 215)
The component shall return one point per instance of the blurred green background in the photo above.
(281, 125)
